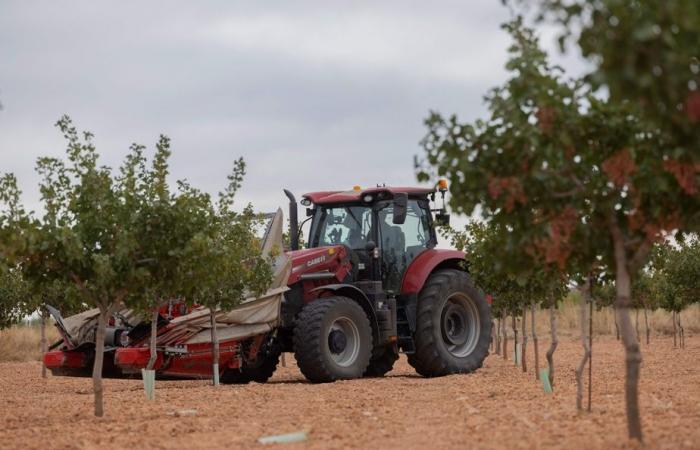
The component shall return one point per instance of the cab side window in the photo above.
(400, 244)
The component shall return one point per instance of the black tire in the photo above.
(322, 354)
(382, 361)
(260, 371)
(450, 308)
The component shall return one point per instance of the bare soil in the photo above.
(496, 407)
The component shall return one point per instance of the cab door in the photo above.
(401, 243)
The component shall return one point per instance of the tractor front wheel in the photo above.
(332, 340)
(453, 326)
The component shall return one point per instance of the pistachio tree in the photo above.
(226, 258)
(88, 241)
(571, 173)
(679, 284)
(166, 222)
(13, 295)
(13, 289)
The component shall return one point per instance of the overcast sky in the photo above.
(314, 95)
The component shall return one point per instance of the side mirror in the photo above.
(442, 218)
(400, 208)
(309, 212)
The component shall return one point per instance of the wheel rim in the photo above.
(344, 341)
(460, 325)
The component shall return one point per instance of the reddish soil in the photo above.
(496, 407)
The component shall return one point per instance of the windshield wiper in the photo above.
(353, 217)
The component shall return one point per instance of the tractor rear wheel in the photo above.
(332, 340)
(382, 361)
(453, 326)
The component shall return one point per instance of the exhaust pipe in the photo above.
(293, 221)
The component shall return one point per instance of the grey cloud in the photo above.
(313, 97)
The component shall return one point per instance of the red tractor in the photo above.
(369, 283)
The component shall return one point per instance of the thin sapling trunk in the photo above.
(681, 331)
(675, 329)
(584, 342)
(99, 360)
(214, 347)
(590, 350)
(498, 336)
(553, 344)
(535, 341)
(524, 339)
(646, 325)
(43, 341)
(505, 337)
(152, 342)
(617, 327)
(515, 339)
(636, 323)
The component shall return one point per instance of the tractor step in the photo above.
(404, 328)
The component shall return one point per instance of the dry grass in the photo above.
(604, 320)
(21, 342)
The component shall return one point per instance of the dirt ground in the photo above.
(496, 407)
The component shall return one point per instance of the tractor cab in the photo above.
(383, 229)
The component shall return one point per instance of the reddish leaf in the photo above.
(545, 118)
(619, 167)
(685, 175)
(692, 106)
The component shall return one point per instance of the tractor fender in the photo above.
(426, 263)
(356, 294)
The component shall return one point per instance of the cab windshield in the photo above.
(342, 225)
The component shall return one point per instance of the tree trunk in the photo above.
(214, 347)
(590, 350)
(99, 359)
(554, 343)
(584, 342)
(617, 327)
(633, 355)
(636, 323)
(498, 336)
(523, 353)
(505, 337)
(675, 330)
(43, 341)
(535, 341)
(492, 344)
(646, 324)
(152, 343)
(681, 331)
(515, 339)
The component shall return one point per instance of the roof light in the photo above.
(305, 202)
(368, 198)
(356, 188)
